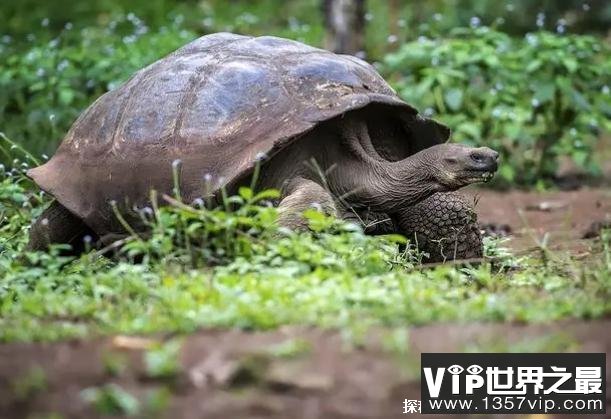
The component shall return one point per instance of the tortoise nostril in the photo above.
(477, 157)
(484, 156)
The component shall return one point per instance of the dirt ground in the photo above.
(558, 220)
(239, 374)
(233, 374)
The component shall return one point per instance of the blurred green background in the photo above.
(530, 78)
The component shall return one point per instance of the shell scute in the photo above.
(234, 97)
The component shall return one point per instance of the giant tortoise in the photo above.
(326, 129)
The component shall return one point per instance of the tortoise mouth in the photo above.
(482, 175)
(480, 166)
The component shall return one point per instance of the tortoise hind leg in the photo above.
(444, 226)
(57, 225)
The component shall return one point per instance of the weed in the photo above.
(111, 399)
(163, 362)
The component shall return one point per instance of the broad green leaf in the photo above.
(570, 63)
(533, 66)
(544, 91)
(245, 193)
(579, 101)
(470, 130)
(453, 98)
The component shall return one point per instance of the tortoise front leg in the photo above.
(300, 194)
(444, 226)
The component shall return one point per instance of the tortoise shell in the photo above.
(215, 104)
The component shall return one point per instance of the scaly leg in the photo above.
(444, 226)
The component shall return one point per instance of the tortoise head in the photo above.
(440, 168)
(453, 166)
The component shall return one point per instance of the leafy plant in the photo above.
(163, 361)
(111, 399)
(45, 85)
(534, 99)
(18, 202)
(204, 236)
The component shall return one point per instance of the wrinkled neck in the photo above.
(380, 184)
(409, 182)
(389, 186)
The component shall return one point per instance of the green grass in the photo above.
(232, 267)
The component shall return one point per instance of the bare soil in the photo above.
(557, 220)
(234, 374)
(240, 374)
